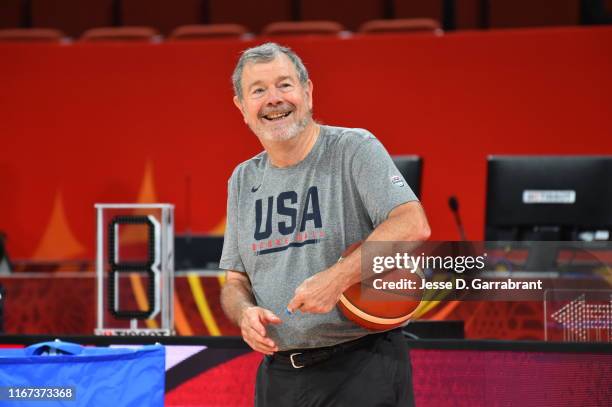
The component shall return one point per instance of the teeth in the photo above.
(277, 115)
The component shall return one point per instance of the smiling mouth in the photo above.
(276, 116)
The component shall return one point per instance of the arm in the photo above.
(321, 292)
(237, 294)
(239, 305)
(406, 223)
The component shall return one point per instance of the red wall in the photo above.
(81, 123)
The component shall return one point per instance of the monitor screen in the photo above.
(549, 198)
(410, 168)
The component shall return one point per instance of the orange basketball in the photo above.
(380, 309)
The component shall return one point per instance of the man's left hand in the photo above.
(317, 294)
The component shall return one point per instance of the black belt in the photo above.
(299, 358)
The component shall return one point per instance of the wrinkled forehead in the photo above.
(278, 68)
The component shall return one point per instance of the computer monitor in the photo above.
(555, 198)
(410, 166)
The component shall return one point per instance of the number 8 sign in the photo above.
(150, 266)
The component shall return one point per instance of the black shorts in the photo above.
(374, 374)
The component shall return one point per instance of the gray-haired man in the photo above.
(292, 210)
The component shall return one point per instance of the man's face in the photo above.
(274, 104)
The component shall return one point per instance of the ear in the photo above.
(309, 89)
(239, 107)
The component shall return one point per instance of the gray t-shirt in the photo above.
(287, 224)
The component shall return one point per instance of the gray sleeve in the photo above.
(379, 182)
(230, 257)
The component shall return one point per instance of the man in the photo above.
(292, 210)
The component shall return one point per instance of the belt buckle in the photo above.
(293, 361)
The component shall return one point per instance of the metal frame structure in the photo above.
(162, 268)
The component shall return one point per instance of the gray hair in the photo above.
(266, 53)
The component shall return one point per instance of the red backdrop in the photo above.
(88, 123)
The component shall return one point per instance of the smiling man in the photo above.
(292, 210)
(281, 114)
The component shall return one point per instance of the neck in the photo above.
(290, 152)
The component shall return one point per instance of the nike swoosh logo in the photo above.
(254, 189)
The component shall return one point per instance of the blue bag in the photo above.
(67, 374)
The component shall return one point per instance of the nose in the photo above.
(274, 96)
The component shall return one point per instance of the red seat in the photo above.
(193, 32)
(420, 9)
(10, 13)
(162, 14)
(526, 13)
(413, 25)
(120, 34)
(303, 28)
(351, 14)
(253, 14)
(72, 16)
(31, 34)
(467, 12)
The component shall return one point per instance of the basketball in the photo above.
(380, 309)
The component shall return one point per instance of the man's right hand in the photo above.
(253, 321)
